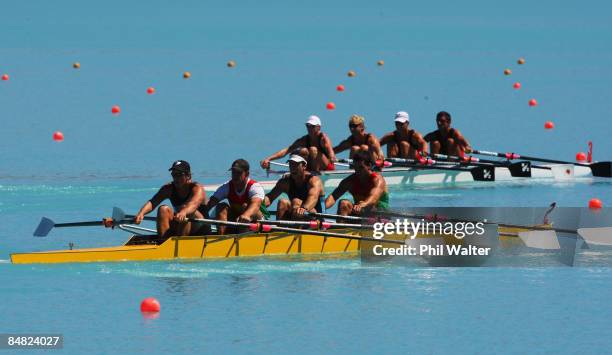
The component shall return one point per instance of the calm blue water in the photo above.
(290, 57)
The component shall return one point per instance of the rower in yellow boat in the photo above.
(304, 189)
(360, 140)
(244, 197)
(367, 187)
(187, 198)
(446, 140)
(315, 147)
(404, 142)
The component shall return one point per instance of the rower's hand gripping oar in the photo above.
(599, 169)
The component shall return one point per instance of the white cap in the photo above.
(314, 120)
(296, 158)
(402, 117)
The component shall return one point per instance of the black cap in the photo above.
(181, 165)
(240, 164)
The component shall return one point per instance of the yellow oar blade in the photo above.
(596, 236)
(540, 239)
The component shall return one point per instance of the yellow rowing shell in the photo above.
(141, 248)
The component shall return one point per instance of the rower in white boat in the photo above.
(368, 189)
(315, 147)
(404, 142)
(360, 140)
(304, 189)
(446, 140)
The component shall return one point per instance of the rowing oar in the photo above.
(46, 224)
(599, 169)
(536, 235)
(119, 215)
(265, 228)
(479, 173)
(367, 220)
(517, 169)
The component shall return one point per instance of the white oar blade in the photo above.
(562, 171)
(596, 236)
(44, 227)
(540, 239)
(118, 214)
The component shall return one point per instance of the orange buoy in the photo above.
(149, 304)
(507, 71)
(517, 85)
(331, 106)
(5, 77)
(58, 136)
(151, 90)
(580, 157)
(351, 73)
(595, 204)
(340, 87)
(549, 125)
(521, 61)
(186, 75)
(116, 109)
(76, 65)
(533, 102)
(231, 64)
(381, 63)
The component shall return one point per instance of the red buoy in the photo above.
(340, 87)
(581, 157)
(517, 85)
(58, 136)
(331, 105)
(595, 204)
(549, 125)
(533, 102)
(149, 304)
(5, 77)
(116, 109)
(150, 90)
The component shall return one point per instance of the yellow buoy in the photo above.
(76, 65)
(231, 64)
(381, 63)
(186, 75)
(507, 72)
(521, 61)
(351, 73)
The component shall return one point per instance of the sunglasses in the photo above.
(310, 126)
(352, 125)
(178, 174)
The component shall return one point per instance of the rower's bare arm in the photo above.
(150, 205)
(342, 188)
(252, 209)
(198, 197)
(279, 188)
(281, 153)
(375, 193)
(327, 145)
(344, 145)
(387, 138)
(462, 141)
(315, 187)
(422, 144)
(375, 144)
